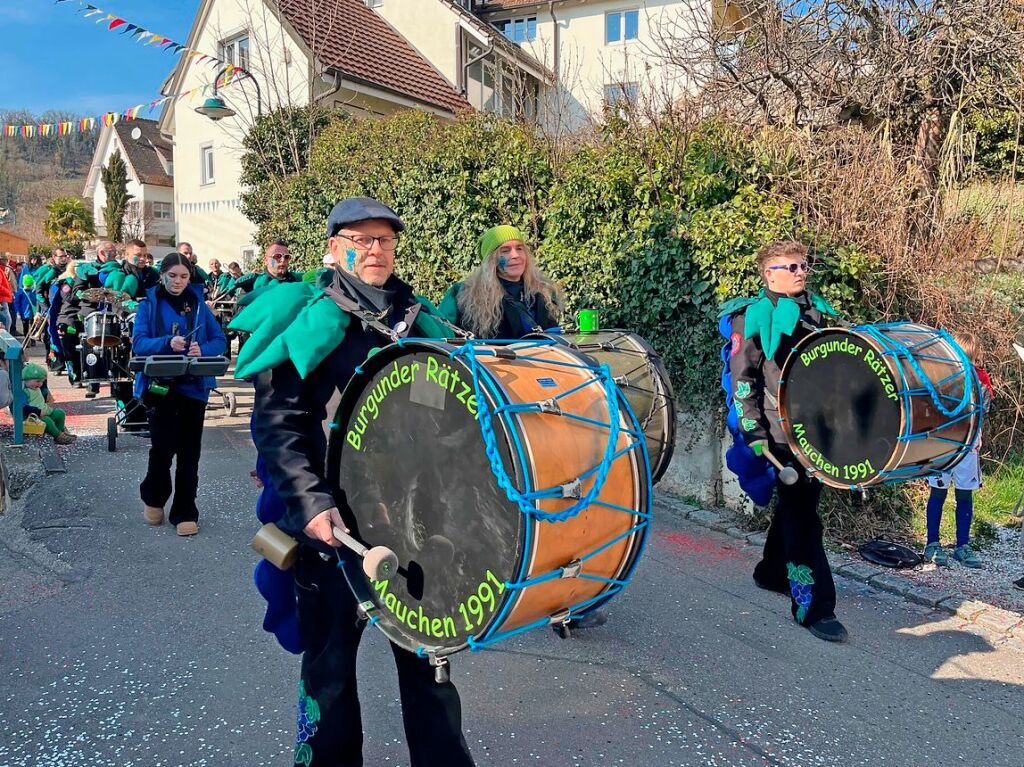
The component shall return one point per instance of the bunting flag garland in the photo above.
(139, 33)
(231, 75)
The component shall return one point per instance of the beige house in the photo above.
(336, 52)
(560, 61)
(557, 61)
(147, 156)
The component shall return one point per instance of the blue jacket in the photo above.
(25, 301)
(154, 325)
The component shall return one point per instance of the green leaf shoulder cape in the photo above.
(771, 321)
(298, 321)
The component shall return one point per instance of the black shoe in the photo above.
(1019, 584)
(779, 588)
(829, 629)
(90, 394)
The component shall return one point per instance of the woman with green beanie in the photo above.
(33, 378)
(507, 296)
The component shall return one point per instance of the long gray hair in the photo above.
(481, 294)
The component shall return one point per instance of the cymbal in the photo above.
(104, 295)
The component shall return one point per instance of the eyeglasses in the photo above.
(791, 268)
(283, 257)
(365, 241)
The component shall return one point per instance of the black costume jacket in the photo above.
(755, 377)
(289, 412)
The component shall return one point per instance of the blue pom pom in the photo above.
(282, 617)
(755, 475)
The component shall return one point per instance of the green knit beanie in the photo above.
(32, 372)
(497, 236)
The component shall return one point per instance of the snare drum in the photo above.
(102, 329)
(512, 482)
(879, 403)
(643, 378)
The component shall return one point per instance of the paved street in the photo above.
(125, 645)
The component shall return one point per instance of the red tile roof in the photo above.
(498, 5)
(143, 153)
(346, 35)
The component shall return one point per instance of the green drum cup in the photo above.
(589, 322)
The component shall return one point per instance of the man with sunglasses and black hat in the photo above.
(764, 331)
(354, 307)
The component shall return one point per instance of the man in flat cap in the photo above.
(357, 305)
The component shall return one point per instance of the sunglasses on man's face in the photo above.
(791, 268)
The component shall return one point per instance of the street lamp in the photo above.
(216, 109)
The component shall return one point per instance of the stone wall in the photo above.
(697, 471)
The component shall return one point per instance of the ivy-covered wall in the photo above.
(655, 228)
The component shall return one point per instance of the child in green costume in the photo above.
(34, 378)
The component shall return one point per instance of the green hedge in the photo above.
(654, 228)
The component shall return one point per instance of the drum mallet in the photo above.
(379, 563)
(787, 474)
(280, 549)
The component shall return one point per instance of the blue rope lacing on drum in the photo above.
(616, 407)
(527, 501)
(898, 350)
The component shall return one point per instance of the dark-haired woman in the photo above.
(172, 319)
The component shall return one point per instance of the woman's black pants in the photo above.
(176, 431)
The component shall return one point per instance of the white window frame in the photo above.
(622, 40)
(625, 93)
(231, 50)
(248, 256)
(207, 170)
(501, 27)
(160, 208)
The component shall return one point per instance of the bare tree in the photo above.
(138, 218)
(911, 67)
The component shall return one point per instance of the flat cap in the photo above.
(361, 209)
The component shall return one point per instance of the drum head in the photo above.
(409, 454)
(841, 409)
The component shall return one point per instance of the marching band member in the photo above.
(764, 331)
(276, 261)
(507, 296)
(296, 373)
(172, 319)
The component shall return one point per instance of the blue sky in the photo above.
(53, 58)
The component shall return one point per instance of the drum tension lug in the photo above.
(560, 623)
(550, 406)
(441, 672)
(573, 490)
(621, 381)
(573, 569)
(363, 612)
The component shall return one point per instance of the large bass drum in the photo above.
(643, 378)
(879, 403)
(512, 482)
